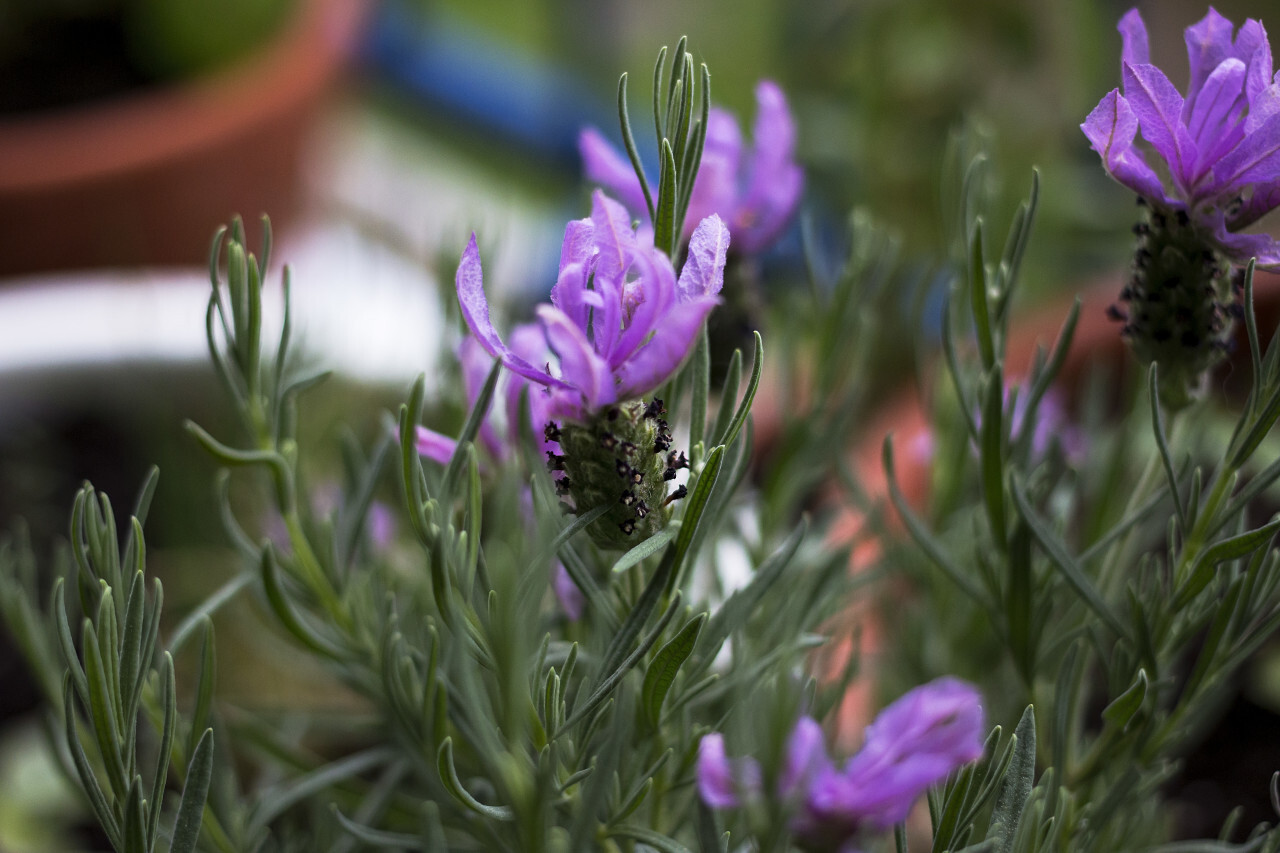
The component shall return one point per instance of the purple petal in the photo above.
(1242, 247)
(611, 169)
(606, 325)
(1255, 160)
(581, 368)
(645, 302)
(806, 755)
(1133, 33)
(1158, 107)
(775, 182)
(475, 310)
(913, 744)
(1208, 44)
(1264, 199)
(673, 338)
(1221, 95)
(1111, 128)
(1264, 105)
(1253, 48)
(435, 446)
(577, 247)
(721, 780)
(703, 272)
(570, 293)
(614, 236)
(1214, 122)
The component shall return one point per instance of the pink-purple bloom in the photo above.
(754, 191)
(1217, 149)
(913, 744)
(528, 341)
(619, 322)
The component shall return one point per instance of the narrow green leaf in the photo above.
(664, 235)
(658, 68)
(88, 779)
(1162, 443)
(744, 407)
(277, 801)
(610, 682)
(204, 685)
(701, 367)
(709, 830)
(695, 506)
(141, 507)
(1122, 709)
(639, 615)
(1059, 356)
(662, 672)
(656, 840)
(1258, 431)
(66, 645)
(1251, 326)
(1015, 788)
(449, 776)
(991, 456)
(410, 461)
(102, 710)
(469, 431)
(1064, 562)
(169, 712)
(376, 837)
(647, 548)
(935, 550)
(283, 609)
(692, 162)
(131, 661)
(978, 298)
(1018, 605)
(1228, 549)
(737, 609)
(728, 397)
(195, 619)
(135, 821)
(629, 142)
(195, 791)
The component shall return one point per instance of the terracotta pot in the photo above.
(1096, 344)
(146, 178)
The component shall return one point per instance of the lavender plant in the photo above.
(554, 656)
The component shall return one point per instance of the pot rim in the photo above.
(120, 135)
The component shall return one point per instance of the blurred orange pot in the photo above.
(146, 178)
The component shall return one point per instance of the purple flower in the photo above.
(526, 340)
(1217, 148)
(913, 744)
(619, 322)
(755, 192)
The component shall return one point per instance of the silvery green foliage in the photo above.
(1103, 618)
(1120, 598)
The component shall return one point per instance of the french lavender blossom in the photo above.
(914, 743)
(1214, 170)
(619, 324)
(755, 192)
